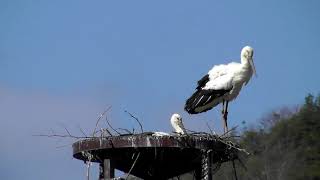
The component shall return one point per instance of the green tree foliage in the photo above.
(285, 147)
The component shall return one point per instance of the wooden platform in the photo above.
(154, 157)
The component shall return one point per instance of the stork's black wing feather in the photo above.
(201, 98)
(202, 82)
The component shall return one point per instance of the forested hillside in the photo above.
(285, 145)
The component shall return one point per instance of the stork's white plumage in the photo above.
(176, 122)
(222, 84)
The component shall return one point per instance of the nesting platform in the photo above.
(150, 156)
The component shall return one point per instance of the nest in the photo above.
(149, 154)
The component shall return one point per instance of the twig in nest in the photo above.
(135, 119)
(68, 135)
(111, 126)
(134, 163)
(211, 131)
(195, 133)
(126, 130)
(67, 131)
(82, 131)
(103, 132)
(231, 145)
(191, 130)
(106, 130)
(232, 129)
(61, 136)
(99, 118)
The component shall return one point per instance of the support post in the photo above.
(106, 170)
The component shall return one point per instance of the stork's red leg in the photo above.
(225, 117)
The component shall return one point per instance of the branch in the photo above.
(134, 163)
(61, 136)
(211, 131)
(99, 118)
(68, 135)
(232, 129)
(67, 131)
(126, 130)
(135, 119)
(192, 132)
(231, 145)
(83, 133)
(111, 126)
(110, 134)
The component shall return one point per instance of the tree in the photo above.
(285, 146)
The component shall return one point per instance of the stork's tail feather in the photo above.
(192, 102)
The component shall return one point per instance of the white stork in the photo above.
(222, 84)
(176, 122)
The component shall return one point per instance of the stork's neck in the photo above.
(246, 70)
(245, 61)
(246, 67)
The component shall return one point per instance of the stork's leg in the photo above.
(225, 117)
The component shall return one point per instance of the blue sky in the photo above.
(63, 62)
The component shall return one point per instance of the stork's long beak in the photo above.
(253, 67)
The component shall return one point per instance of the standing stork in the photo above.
(222, 84)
